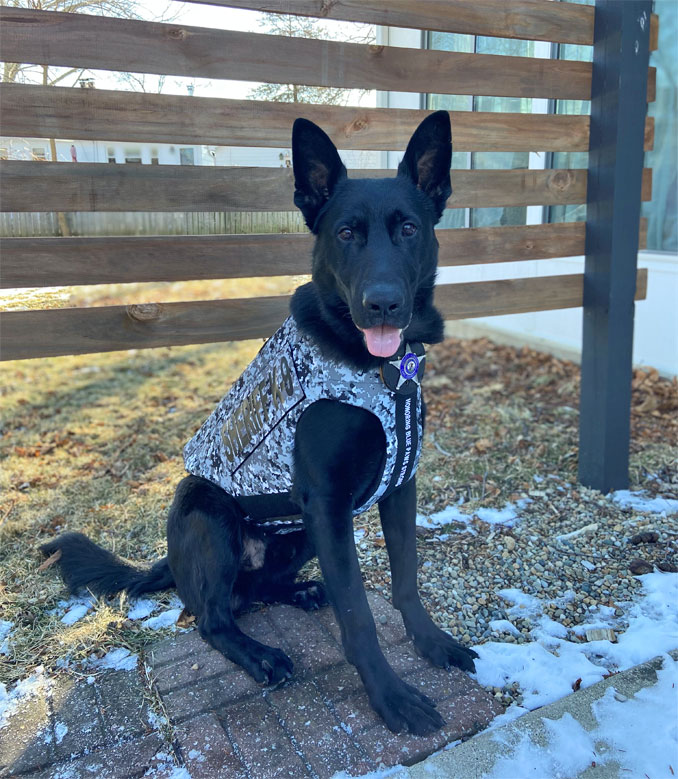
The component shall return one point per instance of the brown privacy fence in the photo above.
(98, 42)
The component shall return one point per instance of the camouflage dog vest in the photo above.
(246, 446)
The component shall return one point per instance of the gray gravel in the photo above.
(459, 577)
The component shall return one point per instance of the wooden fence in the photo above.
(32, 224)
(79, 40)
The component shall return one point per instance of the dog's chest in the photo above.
(246, 445)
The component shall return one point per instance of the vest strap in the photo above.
(407, 435)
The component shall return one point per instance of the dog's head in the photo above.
(375, 254)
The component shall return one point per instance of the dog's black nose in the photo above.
(383, 299)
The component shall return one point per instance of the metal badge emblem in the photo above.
(404, 371)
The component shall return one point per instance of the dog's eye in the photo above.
(408, 229)
(345, 234)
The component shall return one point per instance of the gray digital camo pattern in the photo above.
(246, 445)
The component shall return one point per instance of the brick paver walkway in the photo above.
(225, 725)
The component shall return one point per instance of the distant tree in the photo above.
(16, 71)
(302, 27)
(52, 76)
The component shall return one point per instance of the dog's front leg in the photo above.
(330, 524)
(398, 521)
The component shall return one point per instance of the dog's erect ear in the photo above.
(317, 169)
(428, 159)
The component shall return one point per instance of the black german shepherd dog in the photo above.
(374, 266)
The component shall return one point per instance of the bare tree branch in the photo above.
(300, 27)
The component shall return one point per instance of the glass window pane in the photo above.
(576, 159)
(662, 210)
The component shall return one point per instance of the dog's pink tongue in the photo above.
(382, 341)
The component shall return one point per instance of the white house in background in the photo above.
(164, 153)
(263, 157)
(656, 319)
(104, 151)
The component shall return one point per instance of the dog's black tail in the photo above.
(84, 564)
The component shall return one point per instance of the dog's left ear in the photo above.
(317, 169)
(428, 159)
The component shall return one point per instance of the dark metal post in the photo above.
(618, 108)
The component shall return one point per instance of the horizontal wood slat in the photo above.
(536, 20)
(100, 114)
(46, 262)
(79, 40)
(516, 296)
(28, 334)
(654, 32)
(76, 186)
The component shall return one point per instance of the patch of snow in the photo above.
(570, 751)
(141, 608)
(119, 659)
(60, 730)
(640, 735)
(382, 773)
(503, 626)
(166, 768)
(35, 684)
(542, 676)
(156, 721)
(5, 627)
(638, 501)
(523, 605)
(506, 516)
(75, 608)
(546, 668)
(450, 515)
(74, 614)
(514, 711)
(549, 627)
(164, 620)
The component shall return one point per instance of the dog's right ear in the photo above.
(428, 159)
(317, 169)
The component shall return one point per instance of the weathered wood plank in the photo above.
(100, 114)
(29, 334)
(78, 186)
(642, 237)
(536, 20)
(25, 334)
(654, 32)
(80, 40)
(516, 296)
(46, 262)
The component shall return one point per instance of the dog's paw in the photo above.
(442, 650)
(404, 708)
(271, 667)
(310, 595)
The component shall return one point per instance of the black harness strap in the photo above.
(407, 433)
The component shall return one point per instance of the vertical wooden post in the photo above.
(618, 108)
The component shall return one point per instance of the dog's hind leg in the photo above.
(274, 578)
(204, 549)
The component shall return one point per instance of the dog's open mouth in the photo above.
(383, 340)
